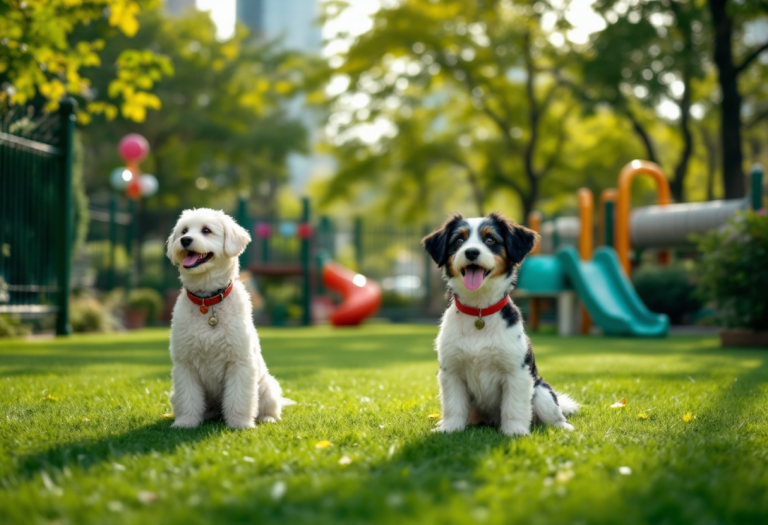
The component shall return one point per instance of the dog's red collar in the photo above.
(481, 312)
(209, 301)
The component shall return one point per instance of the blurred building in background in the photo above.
(294, 25)
(293, 22)
(178, 7)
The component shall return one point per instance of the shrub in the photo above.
(734, 271)
(146, 299)
(86, 314)
(11, 326)
(669, 290)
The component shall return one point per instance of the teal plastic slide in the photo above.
(608, 294)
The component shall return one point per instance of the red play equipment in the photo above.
(362, 297)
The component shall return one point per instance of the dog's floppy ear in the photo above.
(236, 238)
(169, 251)
(436, 243)
(518, 240)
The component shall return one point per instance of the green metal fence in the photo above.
(285, 256)
(36, 214)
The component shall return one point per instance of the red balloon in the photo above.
(304, 231)
(133, 191)
(133, 148)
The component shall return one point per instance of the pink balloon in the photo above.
(263, 230)
(133, 148)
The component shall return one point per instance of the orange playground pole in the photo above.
(586, 242)
(534, 308)
(534, 223)
(621, 221)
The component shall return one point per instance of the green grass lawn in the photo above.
(84, 437)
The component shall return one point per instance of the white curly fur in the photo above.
(218, 371)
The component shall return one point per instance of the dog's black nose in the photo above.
(186, 241)
(471, 253)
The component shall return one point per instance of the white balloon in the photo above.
(148, 184)
(119, 178)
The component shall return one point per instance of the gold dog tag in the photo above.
(479, 323)
(213, 320)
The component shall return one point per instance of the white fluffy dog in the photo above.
(218, 369)
(487, 370)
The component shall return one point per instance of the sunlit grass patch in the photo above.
(85, 436)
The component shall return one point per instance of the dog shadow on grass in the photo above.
(152, 438)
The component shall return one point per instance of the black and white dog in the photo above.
(487, 370)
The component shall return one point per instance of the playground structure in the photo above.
(276, 256)
(362, 297)
(600, 280)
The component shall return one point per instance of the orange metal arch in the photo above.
(534, 304)
(586, 233)
(586, 241)
(534, 223)
(621, 221)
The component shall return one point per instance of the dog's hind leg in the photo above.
(547, 408)
(270, 400)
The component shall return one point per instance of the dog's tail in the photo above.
(567, 404)
(285, 402)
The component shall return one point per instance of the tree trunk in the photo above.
(711, 147)
(730, 107)
(528, 201)
(677, 185)
(533, 114)
(650, 151)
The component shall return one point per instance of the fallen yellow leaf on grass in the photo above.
(433, 416)
(168, 416)
(642, 416)
(620, 404)
(51, 398)
(323, 444)
(688, 417)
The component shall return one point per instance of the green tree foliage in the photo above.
(734, 56)
(41, 58)
(462, 93)
(456, 104)
(650, 53)
(223, 126)
(680, 51)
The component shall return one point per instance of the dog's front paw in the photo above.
(515, 428)
(241, 423)
(564, 425)
(446, 427)
(267, 419)
(186, 422)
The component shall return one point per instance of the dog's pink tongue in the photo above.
(473, 278)
(189, 260)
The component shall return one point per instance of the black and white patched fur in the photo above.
(488, 376)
